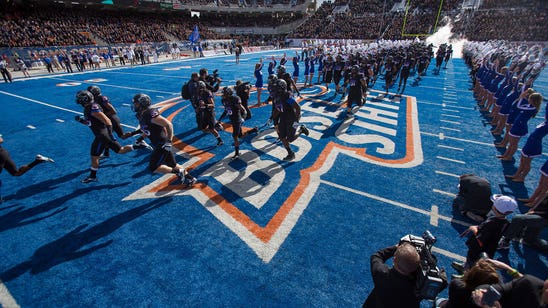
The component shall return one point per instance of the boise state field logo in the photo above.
(259, 196)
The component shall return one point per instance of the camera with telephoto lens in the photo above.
(244, 86)
(430, 279)
(214, 77)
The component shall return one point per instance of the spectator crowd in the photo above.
(56, 25)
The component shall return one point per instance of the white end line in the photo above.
(53, 106)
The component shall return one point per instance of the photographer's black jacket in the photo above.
(392, 289)
(525, 291)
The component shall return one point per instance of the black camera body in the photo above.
(244, 86)
(430, 279)
(214, 77)
(243, 89)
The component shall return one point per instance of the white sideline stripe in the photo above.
(405, 206)
(446, 173)
(450, 159)
(113, 86)
(451, 148)
(434, 216)
(455, 106)
(448, 254)
(39, 102)
(143, 74)
(453, 129)
(6, 300)
(444, 192)
(361, 193)
(52, 106)
(459, 139)
(451, 110)
(119, 67)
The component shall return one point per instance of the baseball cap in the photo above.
(504, 204)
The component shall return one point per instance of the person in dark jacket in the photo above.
(394, 286)
(473, 199)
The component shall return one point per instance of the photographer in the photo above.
(394, 287)
(523, 291)
(213, 82)
(242, 90)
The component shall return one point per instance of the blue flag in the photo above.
(195, 35)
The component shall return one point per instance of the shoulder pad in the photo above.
(154, 112)
(96, 108)
(291, 100)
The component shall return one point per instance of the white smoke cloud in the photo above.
(443, 35)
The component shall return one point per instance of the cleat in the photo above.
(142, 145)
(304, 130)
(44, 158)
(503, 244)
(254, 130)
(220, 142)
(236, 156)
(181, 176)
(189, 180)
(89, 180)
(458, 266)
(289, 157)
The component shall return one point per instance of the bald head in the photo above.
(406, 258)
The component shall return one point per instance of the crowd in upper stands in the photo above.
(265, 20)
(57, 25)
(524, 25)
(246, 3)
(371, 20)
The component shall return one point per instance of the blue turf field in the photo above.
(256, 231)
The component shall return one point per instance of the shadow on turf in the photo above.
(44, 186)
(530, 257)
(22, 216)
(49, 185)
(69, 247)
